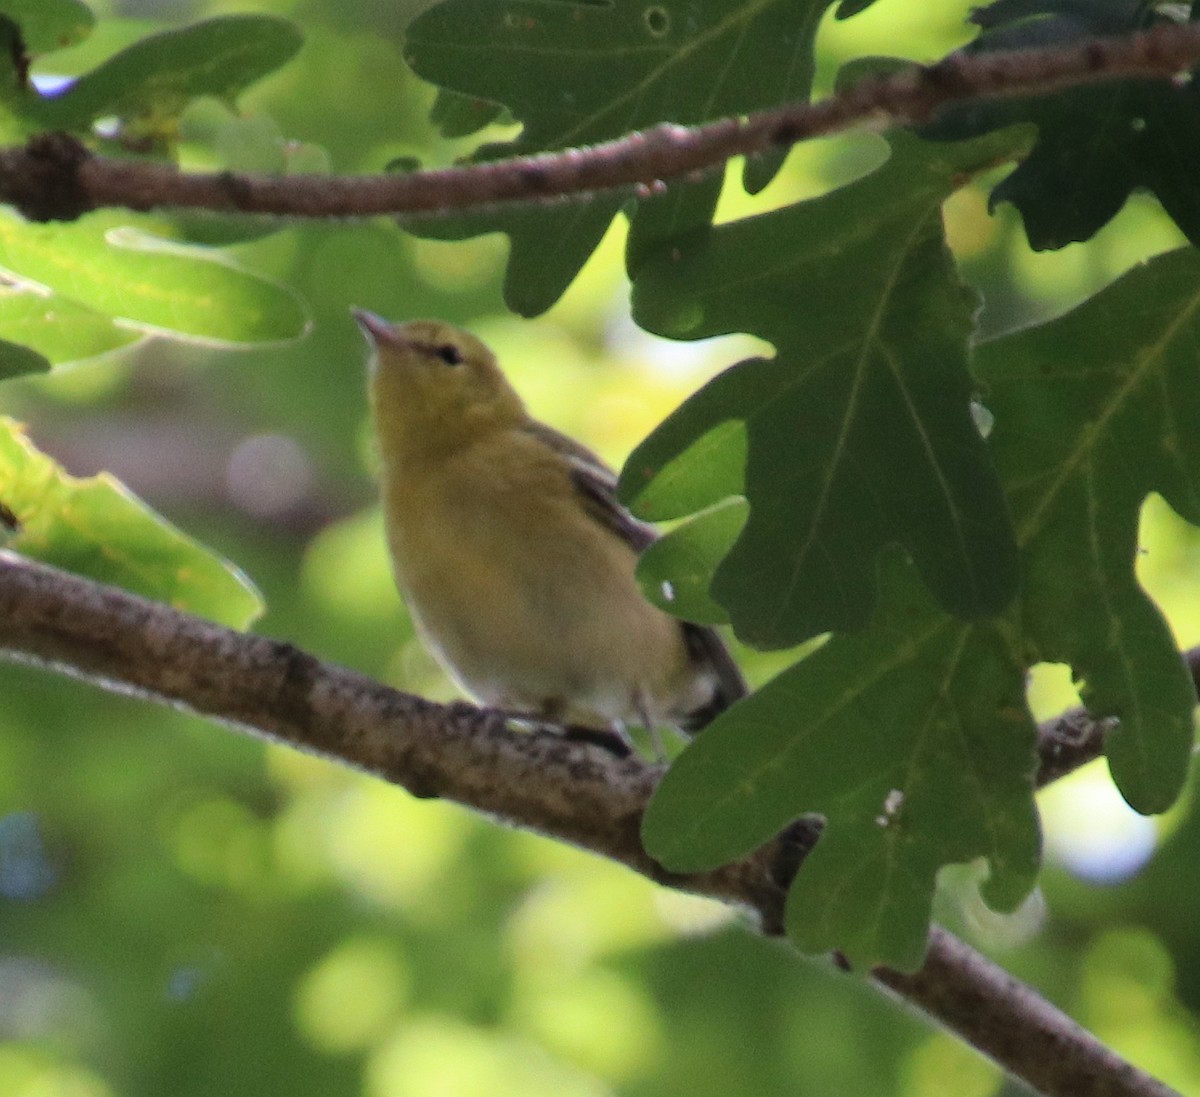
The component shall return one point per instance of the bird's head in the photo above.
(433, 384)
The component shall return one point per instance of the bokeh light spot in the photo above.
(1091, 831)
(450, 1059)
(267, 475)
(348, 999)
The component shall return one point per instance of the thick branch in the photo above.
(55, 178)
(573, 791)
(576, 792)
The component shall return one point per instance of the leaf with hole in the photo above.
(910, 738)
(675, 570)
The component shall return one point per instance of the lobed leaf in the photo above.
(1093, 411)
(1096, 143)
(576, 73)
(860, 433)
(910, 738)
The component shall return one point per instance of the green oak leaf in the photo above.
(149, 83)
(48, 25)
(95, 527)
(109, 262)
(860, 432)
(676, 569)
(1097, 143)
(911, 737)
(17, 360)
(457, 115)
(912, 740)
(1093, 411)
(701, 473)
(54, 329)
(578, 73)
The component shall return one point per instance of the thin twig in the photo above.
(576, 792)
(1076, 737)
(55, 177)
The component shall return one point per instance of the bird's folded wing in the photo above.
(596, 484)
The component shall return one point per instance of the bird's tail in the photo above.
(709, 652)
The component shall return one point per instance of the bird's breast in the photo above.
(520, 592)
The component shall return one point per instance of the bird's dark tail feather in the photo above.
(709, 650)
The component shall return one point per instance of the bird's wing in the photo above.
(596, 485)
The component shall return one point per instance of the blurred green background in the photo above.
(186, 911)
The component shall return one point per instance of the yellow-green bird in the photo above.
(513, 555)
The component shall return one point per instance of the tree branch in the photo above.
(55, 177)
(1009, 1021)
(1076, 737)
(576, 792)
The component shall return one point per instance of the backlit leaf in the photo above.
(95, 527)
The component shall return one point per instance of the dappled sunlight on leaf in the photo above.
(97, 528)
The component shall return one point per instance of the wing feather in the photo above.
(596, 485)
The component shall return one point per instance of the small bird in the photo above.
(514, 557)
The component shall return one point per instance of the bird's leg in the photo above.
(550, 714)
(651, 726)
(612, 739)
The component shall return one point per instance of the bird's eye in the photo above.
(450, 354)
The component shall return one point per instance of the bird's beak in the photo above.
(374, 327)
